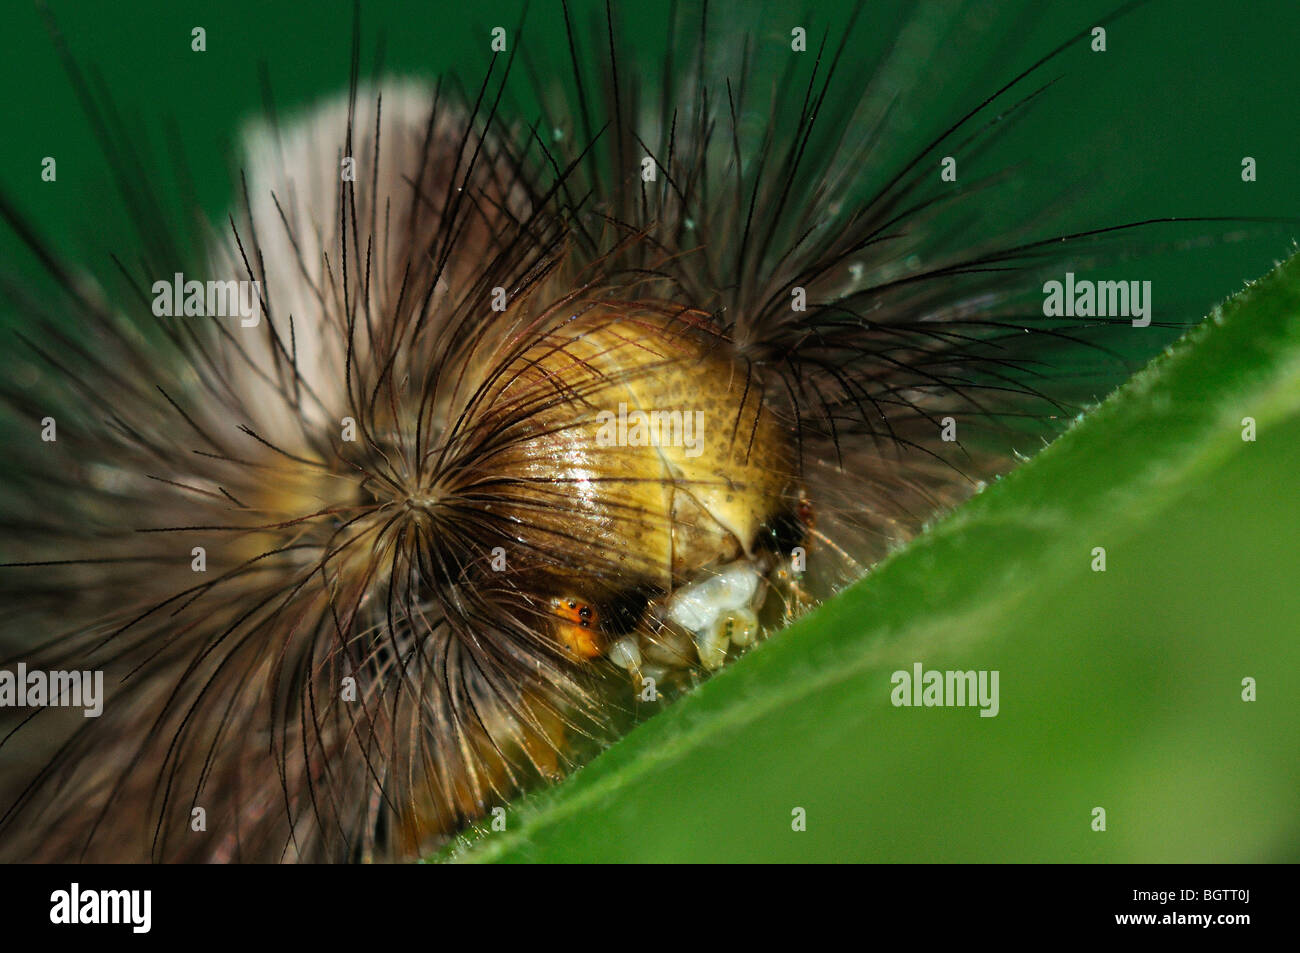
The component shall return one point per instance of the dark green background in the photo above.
(1157, 125)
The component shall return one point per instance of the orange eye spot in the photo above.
(575, 612)
(577, 627)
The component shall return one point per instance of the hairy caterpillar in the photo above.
(405, 543)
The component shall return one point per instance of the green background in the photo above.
(1158, 124)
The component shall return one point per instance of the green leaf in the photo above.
(1119, 689)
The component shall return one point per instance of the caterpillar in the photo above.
(490, 407)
